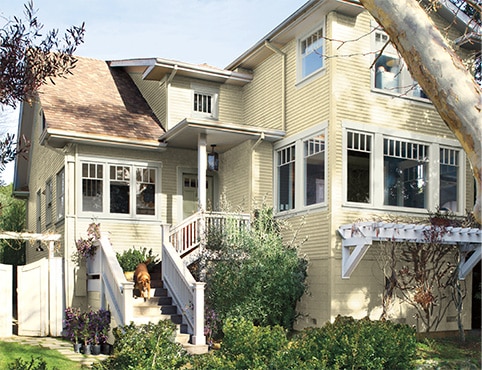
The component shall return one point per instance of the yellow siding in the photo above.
(231, 104)
(155, 94)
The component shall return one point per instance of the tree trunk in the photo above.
(440, 72)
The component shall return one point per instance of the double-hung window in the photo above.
(48, 202)
(391, 73)
(311, 49)
(359, 154)
(449, 179)
(300, 171)
(120, 189)
(60, 194)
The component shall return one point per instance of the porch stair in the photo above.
(159, 306)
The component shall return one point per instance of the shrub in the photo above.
(34, 364)
(251, 273)
(147, 346)
(130, 258)
(356, 344)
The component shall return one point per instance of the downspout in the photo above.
(283, 82)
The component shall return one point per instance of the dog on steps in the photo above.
(142, 281)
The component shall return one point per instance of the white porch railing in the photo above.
(186, 292)
(190, 233)
(118, 292)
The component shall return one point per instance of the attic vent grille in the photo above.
(203, 103)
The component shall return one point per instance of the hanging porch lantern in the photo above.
(213, 159)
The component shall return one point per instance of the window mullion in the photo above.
(433, 196)
(300, 171)
(377, 187)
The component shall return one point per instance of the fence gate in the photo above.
(39, 298)
(6, 311)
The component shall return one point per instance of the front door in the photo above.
(189, 193)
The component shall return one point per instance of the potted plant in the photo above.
(73, 327)
(86, 248)
(130, 258)
(99, 324)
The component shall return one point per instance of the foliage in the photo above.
(86, 248)
(147, 346)
(250, 273)
(130, 258)
(345, 344)
(12, 218)
(91, 326)
(27, 60)
(34, 364)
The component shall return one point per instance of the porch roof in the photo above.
(224, 135)
(358, 237)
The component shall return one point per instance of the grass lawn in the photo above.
(10, 351)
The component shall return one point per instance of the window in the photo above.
(359, 148)
(48, 202)
(314, 151)
(405, 173)
(311, 53)
(204, 101)
(124, 189)
(146, 190)
(449, 168)
(38, 209)
(92, 187)
(391, 73)
(286, 178)
(300, 170)
(60, 191)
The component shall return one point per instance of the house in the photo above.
(299, 121)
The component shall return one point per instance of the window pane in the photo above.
(60, 194)
(286, 178)
(405, 182)
(312, 53)
(146, 189)
(358, 177)
(92, 187)
(119, 189)
(448, 179)
(314, 150)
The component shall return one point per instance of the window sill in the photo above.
(401, 96)
(301, 82)
(302, 211)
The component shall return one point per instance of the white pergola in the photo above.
(48, 238)
(358, 237)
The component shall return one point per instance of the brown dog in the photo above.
(142, 281)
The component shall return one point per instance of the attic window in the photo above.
(203, 103)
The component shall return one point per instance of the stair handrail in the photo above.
(186, 292)
(118, 291)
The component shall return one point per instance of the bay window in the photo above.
(449, 178)
(286, 178)
(359, 147)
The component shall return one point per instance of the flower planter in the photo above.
(87, 349)
(96, 349)
(105, 348)
(77, 347)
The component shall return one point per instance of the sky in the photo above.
(215, 32)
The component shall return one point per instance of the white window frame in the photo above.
(301, 77)
(207, 91)
(133, 166)
(392, 79)
(377, 186)
(48, 202)
(300, 171)
(60, 194)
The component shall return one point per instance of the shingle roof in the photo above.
(99, 100)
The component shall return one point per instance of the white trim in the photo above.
(303, 80)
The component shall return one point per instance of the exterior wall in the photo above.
(154, 92)
(231, 104)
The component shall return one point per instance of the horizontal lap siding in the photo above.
(262, 175)
(154, 92)
(231, 104)
(180, 99)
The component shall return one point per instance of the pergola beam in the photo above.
(358, 237)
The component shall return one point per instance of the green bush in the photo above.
(251, 273)
(356, 344)
(130, 258)
(345, 344)
(34, 364)
(147, 346)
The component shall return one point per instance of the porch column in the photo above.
(201, 171)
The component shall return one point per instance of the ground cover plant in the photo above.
(53, 359)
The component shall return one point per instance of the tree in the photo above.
(12, 218)
(440, 72)
(28, 60)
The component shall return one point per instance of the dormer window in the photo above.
(204, 101)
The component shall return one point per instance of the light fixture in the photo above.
(39, 246)
(213, 159)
